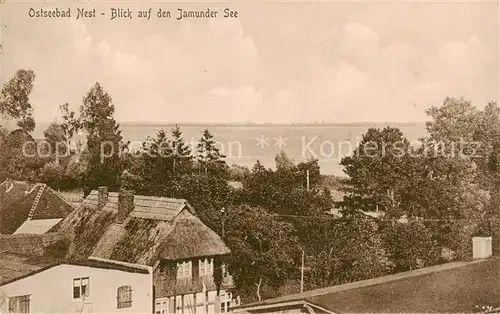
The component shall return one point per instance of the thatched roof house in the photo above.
(30, 208)
(158, 232)
(138, 229)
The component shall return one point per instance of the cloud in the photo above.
(278, 64)
(231, 104)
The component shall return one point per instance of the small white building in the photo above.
(31, 284)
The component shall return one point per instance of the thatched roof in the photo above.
(84, 227)
(13, 266)
(157, 207)
(157, 228)
(190, 237)
(21, 201)
(35, 244)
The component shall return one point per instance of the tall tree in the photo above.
(264, 251)
(378, 171)
(473, 136)
(14, 100)
(181, 153)
(71, 124)
(104, 140)
(209, 158)
(56, 138)
(157, 159)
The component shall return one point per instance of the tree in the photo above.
(209, 158)
(365, 253)
(71, 123)
(56, 138)
(378, 171)
(104, 140)
(264, 251)
(238, 173)
(14, 99)
(19, 157)
(410, 244)
(53, 174)
(181, 157)
(470, 132)
(471, 137)
(356, 252)
(156, 158)
(283, 162)
(208, 194)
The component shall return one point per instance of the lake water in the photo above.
(245, 144)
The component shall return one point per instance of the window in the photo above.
(202, 266)
(19, 304)
(124, 297)
(206, 266)
(224, 306)
(81, 288)
(184, 269)
(161, 307)
(225, 301)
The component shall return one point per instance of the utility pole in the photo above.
(307, 179)
(302, 273)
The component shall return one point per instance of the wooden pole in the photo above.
(302, 273)
(223, 211)
(307, 178)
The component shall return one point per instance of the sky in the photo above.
(279, 62)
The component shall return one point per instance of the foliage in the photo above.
(356, 252)
(55, 136)
(471, 133)
(104, 140)
(71, 122)
(410, 244)
(264, 251)
(208, 195)
(19, 159)
(378, 172)
(181, 153)
(53, 174)
(207, 191)
(238, 173)
(156, 158)
(14, 99)
(209, 157)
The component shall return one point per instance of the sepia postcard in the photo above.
(249, 157)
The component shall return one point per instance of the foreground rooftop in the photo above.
(458, 287)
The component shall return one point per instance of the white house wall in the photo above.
(51, 291)
(214, 302)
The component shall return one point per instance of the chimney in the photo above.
(481, 247)
(102, 197)
(125, 205)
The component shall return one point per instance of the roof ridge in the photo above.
(61, 197)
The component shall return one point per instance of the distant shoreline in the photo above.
(333, 124)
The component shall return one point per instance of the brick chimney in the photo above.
(102, 197)
(125, 205)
